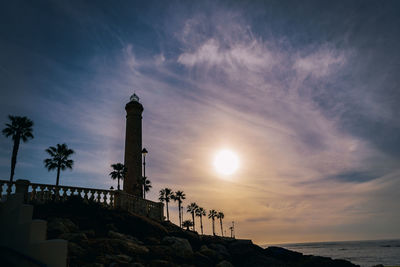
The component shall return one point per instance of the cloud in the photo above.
(319, 64)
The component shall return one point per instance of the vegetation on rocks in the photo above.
(99, 236)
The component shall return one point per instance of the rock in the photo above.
(74, 237)
(161, 263)
(128, 247)
(120, 258)
(74, 250)
(93, 265)
(161, 252)
(152, 241)
(282, 253)
(116, 246)
(117, 235)
(58, 226)
(201, 260)
(224, 263)
(89, 233)
(221, 250)
(180, 246)
(210, 253)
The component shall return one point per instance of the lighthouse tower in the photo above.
(133, 147)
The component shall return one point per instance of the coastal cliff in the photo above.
(98, 236)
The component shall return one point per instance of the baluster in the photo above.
(1, 189)
(64, 196)
(9, 188)
(79, 192)
(99, 196)
(85, 194)
(111, 199)
(41, 193)
(33, 193)
(91, 192)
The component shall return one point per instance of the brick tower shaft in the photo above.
(133, 147)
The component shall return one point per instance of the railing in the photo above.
(148, 208)
(41, 193)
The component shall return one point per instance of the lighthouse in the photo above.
(133, 147)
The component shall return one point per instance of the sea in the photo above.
(363, 253)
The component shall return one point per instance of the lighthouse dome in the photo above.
(134, 97)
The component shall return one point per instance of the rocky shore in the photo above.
(104, 237)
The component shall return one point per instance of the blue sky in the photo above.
(306, 93)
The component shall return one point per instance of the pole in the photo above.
(144, 165)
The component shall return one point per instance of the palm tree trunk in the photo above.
(213, 227)
(144, 194)
(166, 202)
(58, 175)
(194, 229)
(201, 224)
(222, 232)
(118, 183)
(180, 217)
(14, 157)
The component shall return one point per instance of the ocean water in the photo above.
(363, 253)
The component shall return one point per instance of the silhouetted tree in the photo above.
(200, 212)
(165, 195)
(192, 209)
(59, 159)
(19, 129)
(179, 196)
(220, 216)
(146, 185)
(211, 215)
(118, 172)
(187, 224)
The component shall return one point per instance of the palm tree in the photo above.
(179, 196)
(220, 216)
(200, 212)
(192, 209)
(146, 185)
(119, 172)
(19, 128)
(211, 215)
(187, 224)
(165, 195)
(59, 159)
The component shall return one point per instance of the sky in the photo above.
(306, 93)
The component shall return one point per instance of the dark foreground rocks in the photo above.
(101, 237)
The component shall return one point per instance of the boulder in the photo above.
(224, 263)
(201, 260)
(210, 253)
(221, 250)
(282, 253)
(74, 237)
(162, 252)
(180, 246)
(161, 263)
(120, 258)
(116, 235)
(58, 226)
(74, 250)
(116, 246)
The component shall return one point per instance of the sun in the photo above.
(226, 162)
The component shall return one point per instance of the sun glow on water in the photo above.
(226, 162)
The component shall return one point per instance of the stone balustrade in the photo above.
(40, 193)
(35, 192)
(148, 208)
